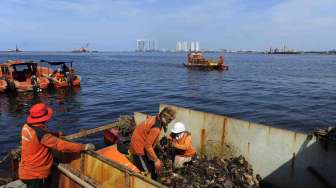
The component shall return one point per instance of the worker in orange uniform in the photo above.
(36, 157)
(181, 141)
(145, 137)
(59, 76)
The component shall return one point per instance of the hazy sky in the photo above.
(116, 24)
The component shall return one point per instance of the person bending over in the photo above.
(145, 137)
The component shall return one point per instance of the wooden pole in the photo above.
(88, 132)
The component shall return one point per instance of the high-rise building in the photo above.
(140, 45)
(179, 46)
(185, 46)
(149, 45)
(192, 46)
(196, 46)
(154, 45)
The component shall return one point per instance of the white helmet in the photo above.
(178, 128)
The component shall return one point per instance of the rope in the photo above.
(5, 180)
(5, 158)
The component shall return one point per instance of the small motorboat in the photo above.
(3, 82)
(3, 85)
(60, 74)
(197, 60)
(23, 76)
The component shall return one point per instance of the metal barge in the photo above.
(283, 158)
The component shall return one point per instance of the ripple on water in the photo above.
(294, 92)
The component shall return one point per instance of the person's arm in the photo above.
(186, 145)
(149, 142)
(61, 145)
(57, 134)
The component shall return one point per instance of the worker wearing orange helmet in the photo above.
(145, 137)
(36, 157)
(181, 141)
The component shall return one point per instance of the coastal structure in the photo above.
(283, 50)
(84, 49)
(14, 50)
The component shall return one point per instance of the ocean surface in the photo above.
(296, 92)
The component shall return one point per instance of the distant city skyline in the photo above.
(145, 45)
(64, 25)
(184, 46)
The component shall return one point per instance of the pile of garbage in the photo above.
(202, 171)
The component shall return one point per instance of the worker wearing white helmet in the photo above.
(181, 141)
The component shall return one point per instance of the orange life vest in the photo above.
(144, 137)
(184, 145)
(36, 158)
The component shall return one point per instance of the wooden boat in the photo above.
(197, 60)
(283, 158)
(62, 74)
(23, 76)
(3, 85)
(3, 82)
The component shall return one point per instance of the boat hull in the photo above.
(283, 158)
(206, 67)
(3, 86)
(27, 86)
(64, 84)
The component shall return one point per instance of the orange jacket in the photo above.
(184, 145)
(36, 158)
(59, 76)
(145, 136)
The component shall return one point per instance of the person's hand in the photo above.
(173, 143)
(158, 165)
(61, 133)
(169, 137)
(89, 147)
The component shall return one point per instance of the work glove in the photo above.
(89, 147)
(157, 165)
(173, 143)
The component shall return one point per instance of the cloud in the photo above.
(238, 24)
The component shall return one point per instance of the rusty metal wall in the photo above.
(284, 158)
